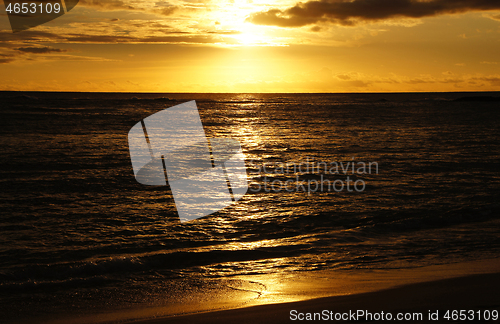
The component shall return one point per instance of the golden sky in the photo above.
(258, 46)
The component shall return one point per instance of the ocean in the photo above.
(80, 236)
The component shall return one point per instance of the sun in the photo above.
(232, 17)
(249, 38)
(252, 35)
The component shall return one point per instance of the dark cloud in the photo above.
(162, 7)
(349, 13)
(188, 39)
(106, 4)
(224, 32)
(181, 39)
(6, 58)
(16, 41)
(40, 50)
(168, 11)
(28, 36)
(111, 39)
(343, 77)
(422, 81)
(356, 83)
(165, 8)
(491, 79)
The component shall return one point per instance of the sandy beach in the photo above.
(475, 288)
(476, 292)
(270, 298)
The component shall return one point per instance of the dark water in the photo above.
(78, 232)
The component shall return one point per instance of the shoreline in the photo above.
(420, 302)
(268, 298)
(465, 284)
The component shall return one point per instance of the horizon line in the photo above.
(143, 92)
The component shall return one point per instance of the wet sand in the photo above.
(476, 292)
(469, 286)
(270, 298)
